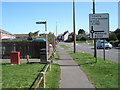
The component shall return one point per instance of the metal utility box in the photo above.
(15, 57)
(43, 55)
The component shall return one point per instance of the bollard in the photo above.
(27, 58)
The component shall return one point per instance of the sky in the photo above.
(21, 17)
(119, 14)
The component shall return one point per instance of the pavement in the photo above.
(71, 74)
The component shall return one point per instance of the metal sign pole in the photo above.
(95, 49)
(46, 41)
(104, 49)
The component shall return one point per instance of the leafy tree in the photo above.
(81, 37)
(33, 35)
(36, 33)
(117, 32)
(78, 37)
(112, 36)
(30, 36)
(81, 31)
(50, 37)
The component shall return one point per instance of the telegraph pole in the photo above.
(93, 6)
(56, 29)
(95, 49)
(74, 26)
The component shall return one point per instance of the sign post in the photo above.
(104, 49)
(95, 49)
(99, 27)
(44, 22)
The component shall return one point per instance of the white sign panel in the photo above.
(99, 25)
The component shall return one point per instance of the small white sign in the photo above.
(99, 25)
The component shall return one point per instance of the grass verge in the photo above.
(80, 41)
(53, 77)
(19, 76)
(88, 41)
(64, 46)
(103, 74)
(57, 56)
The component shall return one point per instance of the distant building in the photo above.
(65, 35)
(21, 36)
(71, 36)
(6, 35)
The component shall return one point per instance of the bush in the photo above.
(81, 37)
(112, 36)
(69, 40)
(117, 32)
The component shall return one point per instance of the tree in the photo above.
(117, 32)
(112, 36)
(81, 31)
(81, 37)
(33, 35)
(50, 37)
(30, 36)
(36, 33)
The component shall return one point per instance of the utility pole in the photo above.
(93, 6)
(56, 29)
(95, 49)
(74, 26)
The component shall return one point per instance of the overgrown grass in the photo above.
(57, 56)
(64, 46)
(53, 77)
(19, 76)
(103, 74)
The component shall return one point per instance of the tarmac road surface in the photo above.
(110, 54)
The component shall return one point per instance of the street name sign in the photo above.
(99, 25)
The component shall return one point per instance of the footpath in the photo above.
(71, 74)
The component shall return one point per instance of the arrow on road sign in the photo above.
(92, 31)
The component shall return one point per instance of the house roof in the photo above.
(6, 32)
(65, 32)
(71, 33)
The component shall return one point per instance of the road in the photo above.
(110, 54)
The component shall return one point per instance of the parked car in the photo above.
(119, 45)
(101, 44)
(7, 39)
(39, 40)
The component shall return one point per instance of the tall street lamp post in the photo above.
(45, 37)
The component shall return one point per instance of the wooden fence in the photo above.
(26, 48)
